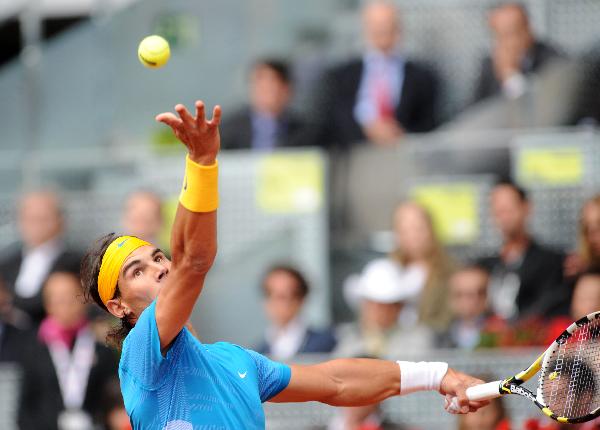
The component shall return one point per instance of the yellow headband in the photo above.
(112, 261)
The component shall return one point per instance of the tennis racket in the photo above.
(569, 382)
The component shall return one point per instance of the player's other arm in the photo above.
(194, 236)
(356, 382)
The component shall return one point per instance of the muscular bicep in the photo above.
(193, 246)
(308, 383)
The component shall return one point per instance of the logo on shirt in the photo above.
(242, 375)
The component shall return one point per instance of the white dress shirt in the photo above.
(35, 267)
(285, 342)
(377, 65)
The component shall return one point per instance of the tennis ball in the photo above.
(154, 51)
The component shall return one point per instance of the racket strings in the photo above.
(570, 379)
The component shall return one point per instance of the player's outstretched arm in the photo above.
(357, 382)
(194, 234)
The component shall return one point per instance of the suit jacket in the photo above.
(542, 289)
(236, 132)
(314, 342)
(415, 110)
(41, 400)
(15, 344)
(488, 85)
(10, 265)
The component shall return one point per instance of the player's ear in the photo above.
(117, 308)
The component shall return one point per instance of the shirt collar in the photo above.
(375, 55)
(53, 246)
(294, 327)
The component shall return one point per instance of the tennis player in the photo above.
(172, 381)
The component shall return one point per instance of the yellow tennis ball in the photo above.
(154, 51)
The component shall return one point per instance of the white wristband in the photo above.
(421, 376)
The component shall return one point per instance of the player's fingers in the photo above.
(473, 406)
(169, 119)
(200, 115)
(185, 116)
(463, 401)
(216, 118)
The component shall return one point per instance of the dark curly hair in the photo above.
(90, 268)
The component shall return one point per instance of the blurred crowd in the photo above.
(417, 298)
(382, 95)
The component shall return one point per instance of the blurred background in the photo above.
(410, 179)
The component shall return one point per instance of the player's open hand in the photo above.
(198, 134)
(454, 386)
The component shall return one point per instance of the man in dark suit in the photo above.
(382, 95)
(268, 122)
(285, 290)
(526, 278)
(516, 54)
(25, 266)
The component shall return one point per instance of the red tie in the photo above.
(383, 95)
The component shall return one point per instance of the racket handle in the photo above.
(488, 391)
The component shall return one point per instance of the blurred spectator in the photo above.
(42, 250)
(15, 340)
(515, 53)
(526, 278)
(422, 258)
(268, 122)
(469, 304)
(382, 95)
(369, 417)
(142, 216)
(383, 289)
(586, 299)
(588, 255)
(492, 417)
(115, 415)
(64, 381)
(285, 290)
(587, 104)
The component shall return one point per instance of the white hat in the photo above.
(384, 281)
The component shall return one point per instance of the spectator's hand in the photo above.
(200, 136)
(573, 265)
(455, 384)
(507, 62)
(384, 132)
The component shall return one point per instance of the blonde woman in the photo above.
(588, 254)
(420, 253)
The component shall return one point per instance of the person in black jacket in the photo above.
(42, 250)
(285, 290)
(267, 122)
(516, 53)
(15, 333)
(65, 379)
(526, 278)
(381, 95)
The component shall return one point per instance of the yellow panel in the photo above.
(453, 208)
(547, 411)
(562, 419)
(551, 165)
(290, 183)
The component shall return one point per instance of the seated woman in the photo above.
(65, 379)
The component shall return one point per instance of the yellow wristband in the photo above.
(200, 192)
